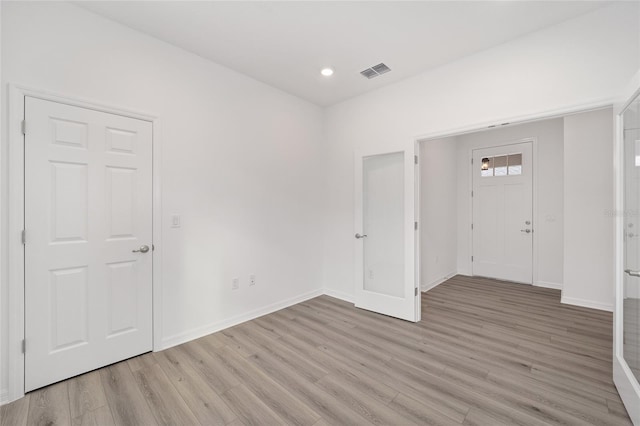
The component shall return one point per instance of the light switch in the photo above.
(175, 221)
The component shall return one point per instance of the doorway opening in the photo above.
(491, 204)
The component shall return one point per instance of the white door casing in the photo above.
(88, 205)
(385, 276)
(502, 234)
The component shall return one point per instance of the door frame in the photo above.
(496, 123)
(16, 211)
(623, 378)
(534, 204)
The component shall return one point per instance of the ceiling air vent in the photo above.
(375, 71)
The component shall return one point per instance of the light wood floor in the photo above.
(485, 353)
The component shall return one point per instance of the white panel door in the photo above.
(88, 206)
(385, 237)
(503, 213)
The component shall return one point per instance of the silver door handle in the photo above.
(358, 236)
(142, 249)
(632, 273)
(528, 231)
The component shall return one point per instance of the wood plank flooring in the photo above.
(485, 353)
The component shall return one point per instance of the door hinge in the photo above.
(24, 236)
(415, 225)
(471, 193)
(472, 226)
(416, 291)
(24, 346)
(415, 158)
(472, 258)
(472, 161)
(23, 127)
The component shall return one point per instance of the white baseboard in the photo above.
(586, 303)
(433, 284)
(339, 295)
(198, 332)
(548, 284)
(4, 396)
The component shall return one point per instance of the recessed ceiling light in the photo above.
(327, 72)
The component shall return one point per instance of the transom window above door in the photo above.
(503, 165)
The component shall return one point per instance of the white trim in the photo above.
(4, 396)
(586, 303)
(435, 283)
(521, 119)
(417, 261)
(535, 249)
(195, 333)
(339, 295)
(157, 234)
(548, 284)
(15, 248)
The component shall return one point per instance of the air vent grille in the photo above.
(375, 71)
(369, 73)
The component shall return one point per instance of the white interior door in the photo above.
(88, 206)
(385, 235)
(627, 316)
(503, 212)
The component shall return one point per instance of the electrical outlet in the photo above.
(175, 221)
(252, 280)
(370, 274)
(235, 283)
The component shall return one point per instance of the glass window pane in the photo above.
(515, 170)
(500, 165)
(383, 223)
(515, 164)
(631, 288)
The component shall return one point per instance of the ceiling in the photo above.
(286, 44)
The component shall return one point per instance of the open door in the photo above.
(386, 233)
(626, 342)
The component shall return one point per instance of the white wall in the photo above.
(583, 61)
(548, 190)
(242, 162)
(589, 225)
(438, 207)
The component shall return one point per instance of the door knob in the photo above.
(358, 236)
(526, 230)
(142, 249)
(632, 273)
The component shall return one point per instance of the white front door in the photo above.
(385, 236)
(503, 213)
(88, 206)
